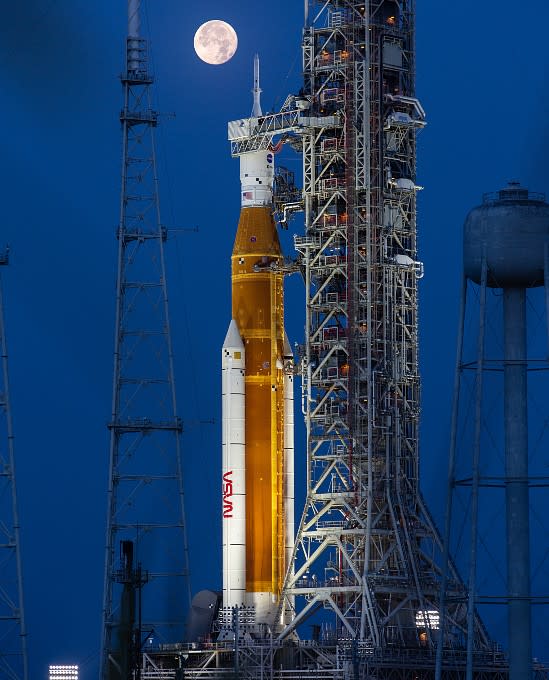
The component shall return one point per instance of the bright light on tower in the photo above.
(63, 672)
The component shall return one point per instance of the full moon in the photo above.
(215, 42)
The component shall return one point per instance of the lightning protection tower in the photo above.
(367, 555)
(145, 495)
(13, 645)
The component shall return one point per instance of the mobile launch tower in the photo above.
(146, 589)
(366, 548)
(365, 545)
(367, 560)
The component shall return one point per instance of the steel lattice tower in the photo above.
(13, 644)
(145, 496)
(367, 549)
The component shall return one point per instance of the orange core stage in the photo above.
(258, 309)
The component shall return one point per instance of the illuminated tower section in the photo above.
(257, 446)
(367, 554)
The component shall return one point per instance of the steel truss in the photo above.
(367, 549)
(271, 659)
(267, 659)
(145, 496)
(13, 641)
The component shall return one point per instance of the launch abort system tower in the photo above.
(145, 496)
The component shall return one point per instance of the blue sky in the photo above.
(482, 76)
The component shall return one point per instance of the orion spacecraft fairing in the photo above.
(257, 403)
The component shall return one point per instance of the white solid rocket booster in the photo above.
(233, 468)
(289, 446)
(289, 458)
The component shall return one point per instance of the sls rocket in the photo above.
(257, 403)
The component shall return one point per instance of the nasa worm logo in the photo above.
(227, 495)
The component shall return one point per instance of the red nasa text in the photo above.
(227, 495)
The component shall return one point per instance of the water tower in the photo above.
(505, 254)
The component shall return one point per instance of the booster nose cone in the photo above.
(233, 339)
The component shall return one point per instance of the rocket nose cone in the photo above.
(233, 339)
